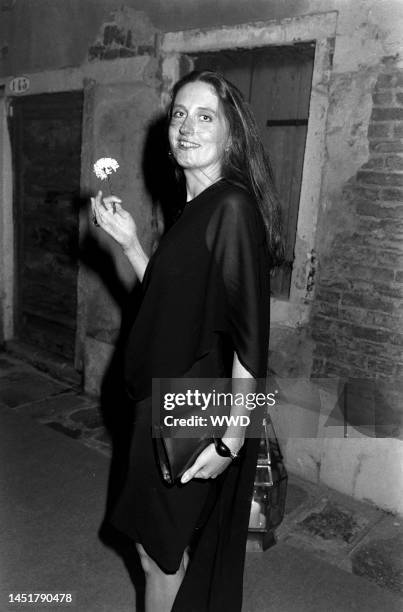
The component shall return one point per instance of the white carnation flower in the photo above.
(105, 166)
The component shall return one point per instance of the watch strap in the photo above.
(223, 450)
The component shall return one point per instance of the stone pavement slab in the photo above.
(60, 405)
(285, 579)
(26, 385)
(379, 556)
(54, 407)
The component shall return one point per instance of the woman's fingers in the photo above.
(201, 467)
(96, 207)
(114, 220)
(93, 212)
(197, 468)
(111, 198)
(108, 204)
(119, 209)
(99, 212)
(207, 465)
(98, 200)
(111, 202)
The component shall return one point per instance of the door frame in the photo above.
(320, 29)
(38, 105)
(6, 225)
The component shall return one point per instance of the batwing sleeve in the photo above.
(237, 243)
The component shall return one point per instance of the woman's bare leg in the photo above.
(161, 588)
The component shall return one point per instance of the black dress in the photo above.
(205, 295)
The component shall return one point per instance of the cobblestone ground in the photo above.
(351, 535)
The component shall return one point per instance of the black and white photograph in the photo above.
(201, 305)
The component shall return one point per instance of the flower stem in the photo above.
(110, 193)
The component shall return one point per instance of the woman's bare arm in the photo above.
(209, 464)
(137, 258)
(119, 224)
(242, 382)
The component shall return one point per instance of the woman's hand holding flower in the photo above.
(118, 223)
(114, 220)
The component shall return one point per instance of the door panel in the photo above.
(46, 140)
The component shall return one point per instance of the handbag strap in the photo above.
(271, 435)
(267, 440)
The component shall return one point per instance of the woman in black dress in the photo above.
(204, 314)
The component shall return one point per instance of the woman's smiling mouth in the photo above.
(186, 144)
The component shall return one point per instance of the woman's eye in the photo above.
(205, 117)
(178, 114)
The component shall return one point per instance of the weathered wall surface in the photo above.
(41, 35)
(49, 34)
(355, 324)
(120, 118)
(117, 121)
(360, 243)
(121, 101)
(357, 321)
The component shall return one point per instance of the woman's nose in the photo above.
(187, 126)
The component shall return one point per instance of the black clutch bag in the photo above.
(175, 454)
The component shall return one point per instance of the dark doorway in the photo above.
(276, 81)
(46, 141)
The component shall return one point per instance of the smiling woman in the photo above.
(198, 135)
(204, 314)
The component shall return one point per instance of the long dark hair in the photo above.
(245, 162)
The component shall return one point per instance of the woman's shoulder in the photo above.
(232, 192)
(236, 200)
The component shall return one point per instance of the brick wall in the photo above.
(357, 316)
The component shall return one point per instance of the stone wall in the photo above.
(357, 323)
(357, 315)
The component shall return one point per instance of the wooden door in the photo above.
(276, 81)
(46, 140)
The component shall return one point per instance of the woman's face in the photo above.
(198, 130)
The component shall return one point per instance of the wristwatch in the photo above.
(223, 450)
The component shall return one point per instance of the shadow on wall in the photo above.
(166, 194)
(165, 186)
